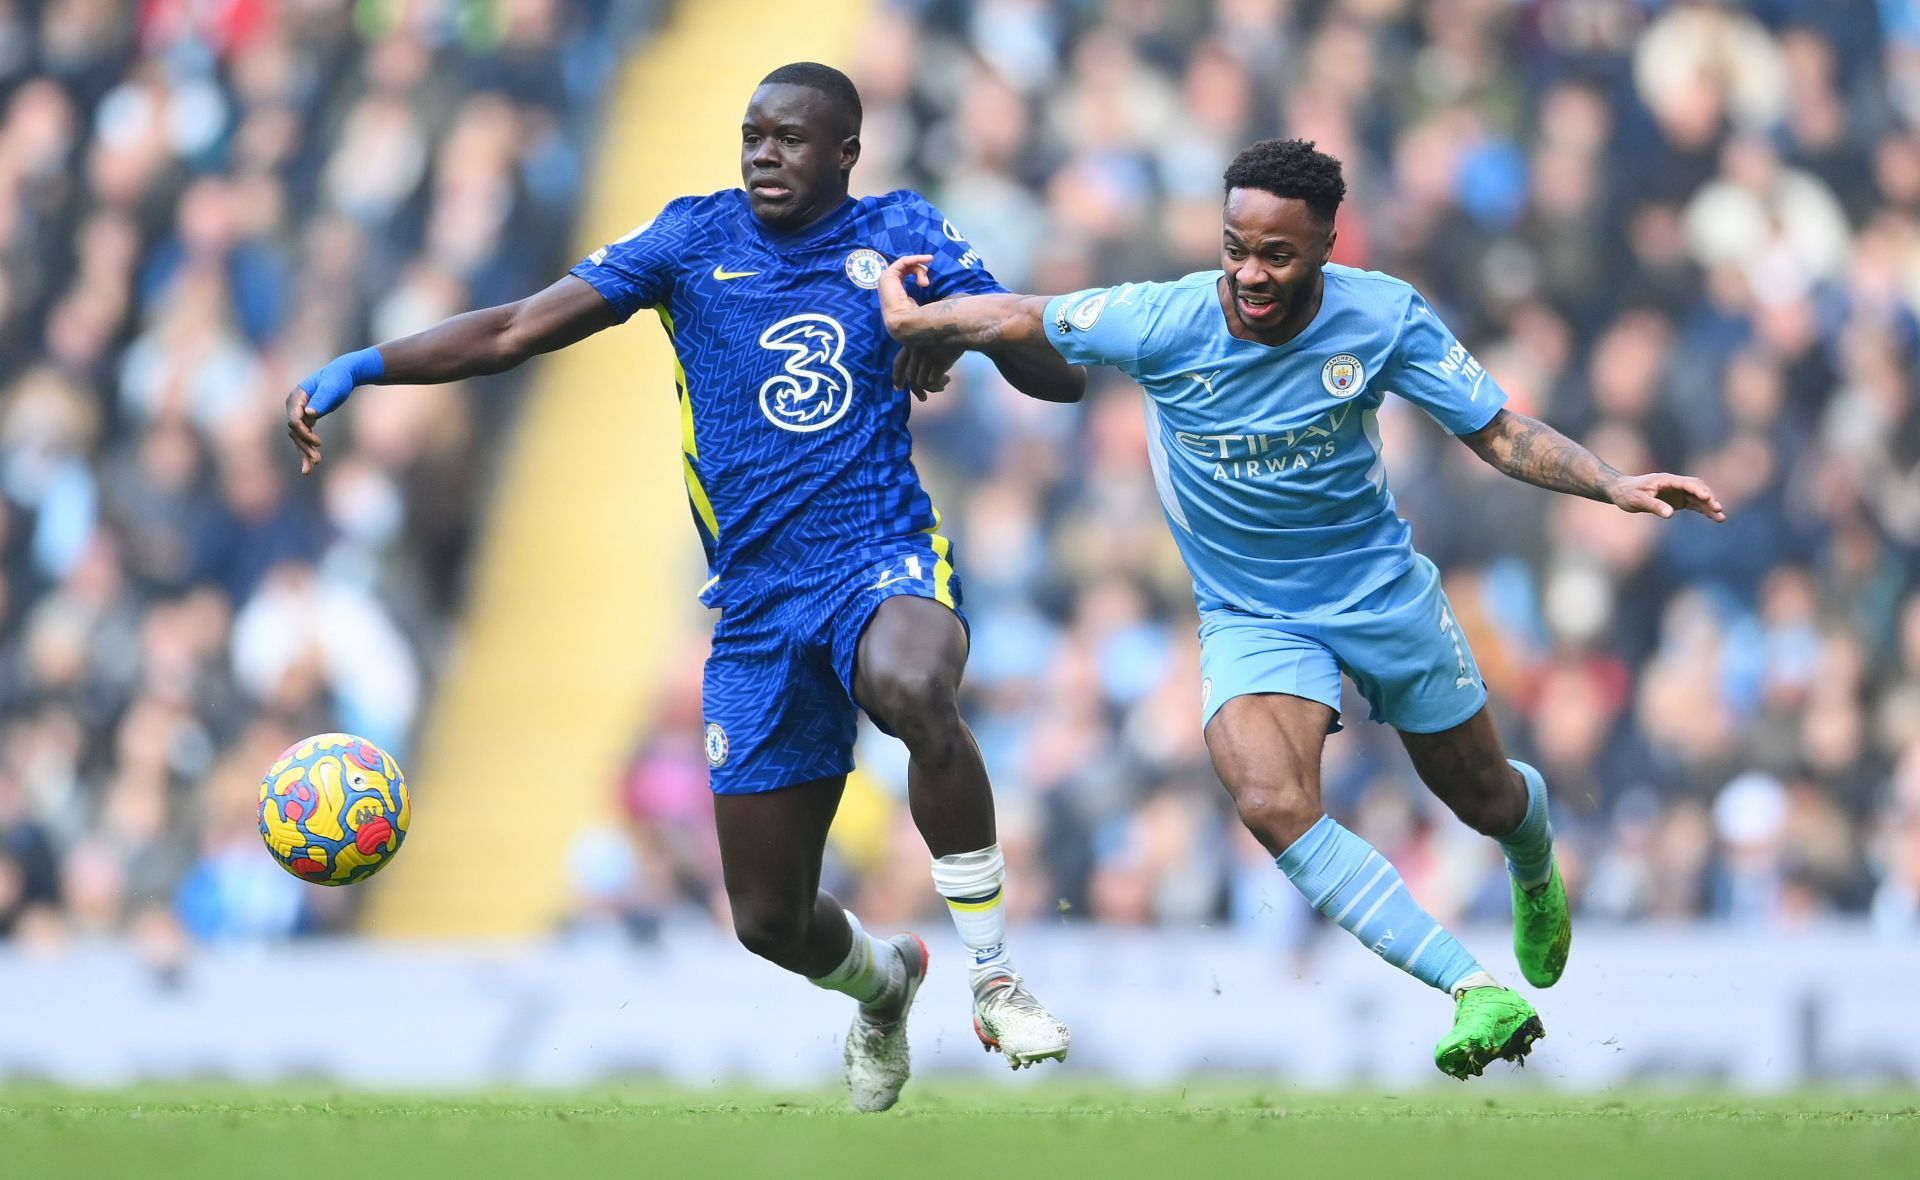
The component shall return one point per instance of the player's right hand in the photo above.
(322, 392)
(1663, 495)
(300, 425)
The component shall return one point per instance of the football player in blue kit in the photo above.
(1262, 382)
(836, 589)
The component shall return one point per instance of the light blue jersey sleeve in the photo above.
(1434, 371)
(1104, 325)
(637, 271)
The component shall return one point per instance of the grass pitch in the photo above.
(949, 1131)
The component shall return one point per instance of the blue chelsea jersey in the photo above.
(793, 441)
(1267, 457)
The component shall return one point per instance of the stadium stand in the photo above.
(1689, 257)
(199, 203)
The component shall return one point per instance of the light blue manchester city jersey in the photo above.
(1267, 458)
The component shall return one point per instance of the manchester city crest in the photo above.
(1343, 375)
(865, 267)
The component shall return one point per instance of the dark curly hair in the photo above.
(1291, 168)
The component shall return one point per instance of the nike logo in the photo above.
(891, 579)
(722, 274)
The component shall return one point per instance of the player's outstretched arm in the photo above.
(1531, 451)
(472, 344)
(1009, 329)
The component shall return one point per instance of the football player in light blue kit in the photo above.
(1263, 381)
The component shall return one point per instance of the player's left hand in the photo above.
(1663, 495)
(923, 370)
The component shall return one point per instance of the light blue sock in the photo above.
(1529, 847)
(1346, 879)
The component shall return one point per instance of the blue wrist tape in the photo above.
(329, 387)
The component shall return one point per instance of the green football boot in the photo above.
(1489, 1024)
(1542, 930)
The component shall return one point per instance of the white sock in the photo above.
(872, 971)
(974, 884)
(1477, 979)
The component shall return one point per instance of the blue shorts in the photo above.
(778, 694)
(1399, 644)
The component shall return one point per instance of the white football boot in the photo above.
(877, 1060)
(1008, 1019)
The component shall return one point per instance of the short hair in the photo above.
(1291, 168)
(838, 88)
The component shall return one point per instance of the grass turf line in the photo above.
(942, 1130)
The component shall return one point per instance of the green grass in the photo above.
(649, 1132)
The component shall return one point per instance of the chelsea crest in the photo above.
(865, 267)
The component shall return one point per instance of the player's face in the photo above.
(1272, 249)
(794, 155)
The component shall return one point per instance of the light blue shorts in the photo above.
(1399, 644)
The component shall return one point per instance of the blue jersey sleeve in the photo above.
(1103, 325)
(957, 268)
(1434, 371)
(638, 270)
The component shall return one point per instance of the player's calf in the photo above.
(1467, 768)
(773, 936)
(1348, 880)
(784, 934)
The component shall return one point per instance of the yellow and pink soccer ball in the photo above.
(334, 809)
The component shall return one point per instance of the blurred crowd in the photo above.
(200, 203)
(1687, 233)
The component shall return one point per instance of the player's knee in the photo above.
(1277, 814)
(916, 701)
(774, 932)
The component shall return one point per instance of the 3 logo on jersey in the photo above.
(813, 389)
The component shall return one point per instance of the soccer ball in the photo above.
(334, 809)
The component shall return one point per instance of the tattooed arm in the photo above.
(1535, 453)
(1006, 328)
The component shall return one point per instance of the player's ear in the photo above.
(849, 153)
(1326, 255)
